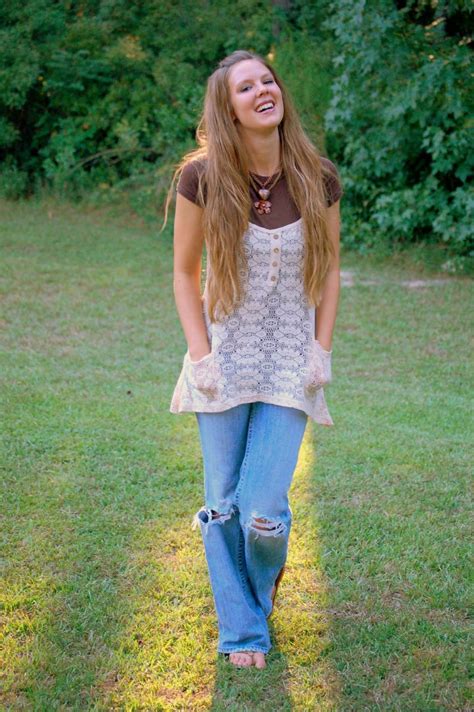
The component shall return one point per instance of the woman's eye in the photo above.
(246, 87)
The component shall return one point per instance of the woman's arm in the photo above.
(327, 308)
(188, 246)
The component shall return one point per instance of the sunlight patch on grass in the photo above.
(302, 625)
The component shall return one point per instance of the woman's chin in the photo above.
(266, 126)
(271, 119)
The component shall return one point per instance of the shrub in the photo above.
(399, 118)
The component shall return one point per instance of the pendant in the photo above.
(263, 206)
(264, 193)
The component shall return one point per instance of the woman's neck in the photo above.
(263, 152)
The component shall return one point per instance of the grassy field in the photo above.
(105, 598)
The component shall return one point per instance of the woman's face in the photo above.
(255, 96)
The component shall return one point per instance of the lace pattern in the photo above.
(265, 350)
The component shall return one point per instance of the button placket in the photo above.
(275, 259)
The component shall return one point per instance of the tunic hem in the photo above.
(220, 407)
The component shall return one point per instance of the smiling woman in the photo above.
(265, 204)
(256, 98)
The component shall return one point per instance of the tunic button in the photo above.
(274, 264)
(275, 249)
(273, 278)
(275, 237)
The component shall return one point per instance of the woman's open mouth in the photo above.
(265, 107)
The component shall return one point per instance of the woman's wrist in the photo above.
(198, 353)
(325, 348)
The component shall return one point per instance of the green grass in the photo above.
(106, 603)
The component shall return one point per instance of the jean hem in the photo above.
(240, 649)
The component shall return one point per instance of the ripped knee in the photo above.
(266, 526)
(207, 516)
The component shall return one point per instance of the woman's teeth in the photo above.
(265, 107)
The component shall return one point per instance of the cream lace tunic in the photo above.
(261, 351)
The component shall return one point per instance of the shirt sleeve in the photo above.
(188, 183)
(332, 183)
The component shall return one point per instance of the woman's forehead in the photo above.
(247, 69)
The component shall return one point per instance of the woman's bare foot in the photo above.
(241, 659)
(259, 660)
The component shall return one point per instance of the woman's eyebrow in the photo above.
(262, 76)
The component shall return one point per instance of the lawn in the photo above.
(105, 599)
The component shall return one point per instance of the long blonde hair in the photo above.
(223, 190)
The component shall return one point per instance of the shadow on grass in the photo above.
(165, 654)
(391, 524)
(97, 530)
(129, 621)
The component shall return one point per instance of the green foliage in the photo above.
(305, 64)
(105, 97)
(399, 119)
(95, 94)
(13, 181)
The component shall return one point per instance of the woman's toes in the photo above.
(259, 660)
(241, 659)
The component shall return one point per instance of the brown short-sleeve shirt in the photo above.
(284, 210)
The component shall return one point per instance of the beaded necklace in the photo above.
(264, 206)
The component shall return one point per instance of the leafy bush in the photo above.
(13, 181)
(304, 62)
(399, 118)
(100, 92)
(104, 97)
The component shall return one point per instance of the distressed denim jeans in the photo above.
(250, 454)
